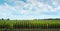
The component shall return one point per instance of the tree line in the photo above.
(52, 19)
(5, 19)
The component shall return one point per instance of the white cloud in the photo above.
(30, 7)
(33, 3)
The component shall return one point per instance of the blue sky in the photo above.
(29, 9)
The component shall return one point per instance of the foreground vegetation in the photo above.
(29, 24)
(29, 29)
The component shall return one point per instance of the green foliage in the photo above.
(11, 24)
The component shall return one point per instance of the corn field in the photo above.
(29, 24)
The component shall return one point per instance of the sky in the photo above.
(29, 9)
